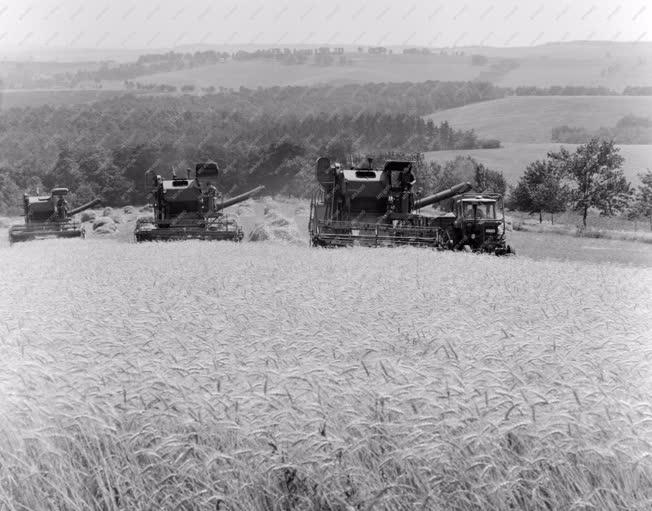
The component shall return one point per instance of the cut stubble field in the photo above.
(263, 376)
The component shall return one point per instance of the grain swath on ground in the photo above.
(263, 376)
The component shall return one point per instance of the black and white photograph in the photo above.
(333, 256)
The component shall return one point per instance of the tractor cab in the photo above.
(478, 209)
(479, 221)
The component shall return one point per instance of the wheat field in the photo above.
(266, 376)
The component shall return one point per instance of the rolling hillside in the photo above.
(54, 97)
(530, 119)
(363, 69)
(513, 158)
(611, 65)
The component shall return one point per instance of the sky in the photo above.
(156, 24)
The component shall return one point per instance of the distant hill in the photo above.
(530, 119)
(565, 49)
(56, 97)
(579, 63)
(363, 69)
(600, 63)
(615, 73)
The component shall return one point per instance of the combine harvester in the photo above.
(377, 207)
(47, 216)
(189, 208)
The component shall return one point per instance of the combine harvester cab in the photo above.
(190, 208)
(478, 227)
(375, 207)
(47, 216)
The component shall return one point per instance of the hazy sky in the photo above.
(165, 23)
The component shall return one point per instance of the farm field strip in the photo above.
(530, 119)
(266, 377)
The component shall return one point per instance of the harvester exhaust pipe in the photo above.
(443, 195)
(238, 198)
(81, 208)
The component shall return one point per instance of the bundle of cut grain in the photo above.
(104, 225)
(259, 233)
(279, 221)
(244, 210)
(289, 235)
(509, 224)
(276, 228)
(88, 216)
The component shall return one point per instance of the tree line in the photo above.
(256, 135)
(106, 151)
(174, 61)
(590, 177)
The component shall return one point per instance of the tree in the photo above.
(541, 188)
(487, 180)
(65, 172)
(642, 207)
(10, 195)
(596, 175)
(339, 149)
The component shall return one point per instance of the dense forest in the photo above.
(263, 136)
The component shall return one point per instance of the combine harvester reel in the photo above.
(47, 216)
(190, 208)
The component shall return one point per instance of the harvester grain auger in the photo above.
(47, 216)
(189, 208)
(375, 207)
